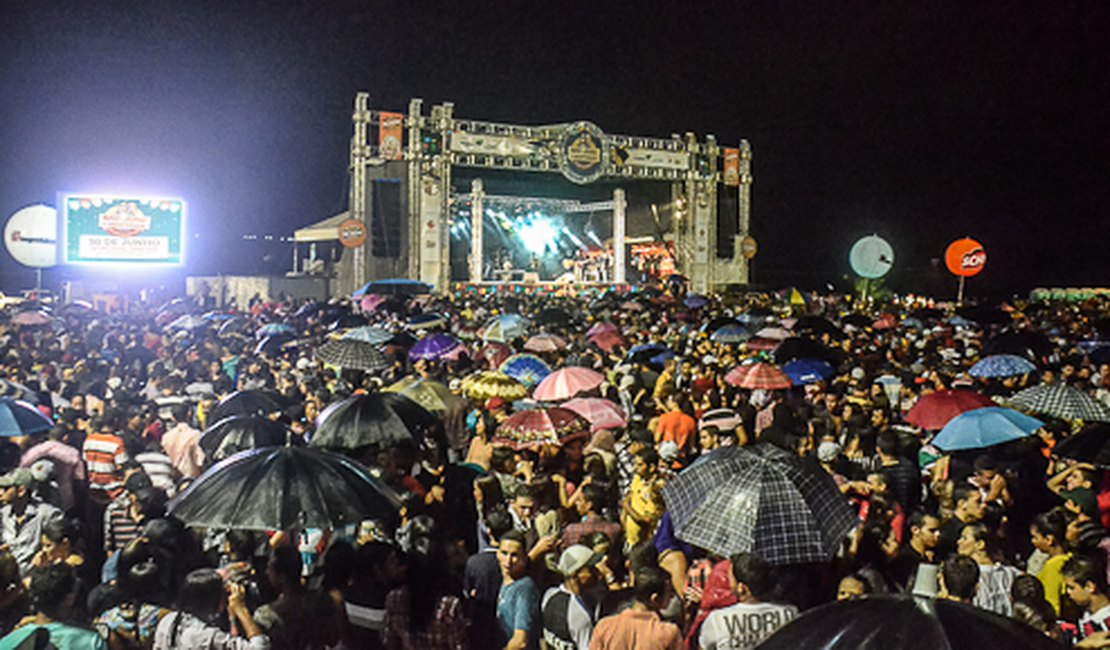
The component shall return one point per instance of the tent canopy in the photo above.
(326, 230)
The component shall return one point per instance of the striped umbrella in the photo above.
(488, 384)
(566, 383)
(534, 428)
(758, 376)
(1002, 365)
(528, 369)
(349, 353)
(1061, 401)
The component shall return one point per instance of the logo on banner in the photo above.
(352, 233)
(124, 220)
(390, 131)
(732, 167)
(582, 153)
(965, 257)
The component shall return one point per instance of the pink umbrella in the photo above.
(371, 302)
(542, 426)
(759, 344)
(545, 343)
(607, 340)
(603, 326)
(600, 413)
(758, 376)
(495, 354)
(31, 318)
(566, 383)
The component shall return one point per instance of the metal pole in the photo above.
(960, 293)
(476, 219)
(618, 236)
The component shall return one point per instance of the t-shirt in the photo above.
(1052, 577)
(743, 625)
(567, 622)
(1097, 622)
(518, 608)
(677, 427)
(993, 594)
(61, 636)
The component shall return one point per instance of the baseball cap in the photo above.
(575, 558)
(20, 477)
(668, 451)
(827, 451)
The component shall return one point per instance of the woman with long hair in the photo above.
(203, 599)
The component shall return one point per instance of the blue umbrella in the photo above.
(808, 371)
(645, 351)
(1002, 365)
(528, 369)
(425, 321)
(432, 347)
(985, 427)
(695, 301)
(369, 334)
(18, 418)
(662, 357)
(731, 334)
(275, 329)
(960, 321)
(504, 328)
(394, 287)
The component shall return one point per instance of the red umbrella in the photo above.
(760, 344)
(542, 426)
(934, 410)
(566, 383)
(495, 354)
(758, 376)
(545, 343)
(885, 322)
(600, 413)
(31, 318)
(603, 326)
(607, 340)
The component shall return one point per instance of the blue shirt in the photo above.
(61, 636)
(518, 608)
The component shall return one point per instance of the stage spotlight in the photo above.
(537, 234)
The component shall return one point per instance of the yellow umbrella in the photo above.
(428, 393)
(488, 384)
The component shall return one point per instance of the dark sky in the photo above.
(922, 122)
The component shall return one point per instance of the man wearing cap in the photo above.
(568, 619)
(22, 517)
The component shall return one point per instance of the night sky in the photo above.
(922, 122)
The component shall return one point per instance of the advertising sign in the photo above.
(965, 257)
(31, 236)
(390, 132)
(102, 229)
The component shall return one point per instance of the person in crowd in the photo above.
(1085, 584)
(424, 614)
(640, 626)
(23, 517)
(751, 620)
(969, 510)
(518, 617)
(567, 612)
(298, 618)
(202, 600)
(53, 591)
(959, 579)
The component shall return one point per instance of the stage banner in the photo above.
(390, 133)
(122, 230)
(731, 167)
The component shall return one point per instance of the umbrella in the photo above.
(430, 394)
(732, 333)
(284, 488)
(188, 322)
(393, 287)
(432, 347)
(774, 333)
(426, 321)
(913, 323)
(762, 376)
(1061, 401)
(802, 348)
(489, 384)
(495, 354)
(19, 418)
(368, 334)
(373, 419)
(542, 426)
(371, 302)
(1002, 365)
(528, 369)
(31, 318)
(603, 326)
(218, 316)
(808, 371)
(818, 325)
(644, 352)
(905, 622)
(885, 322)
(237, 433)
(545, 343)
(554, 316)
(934, 410)
(600, 413)
(755, 315)
(504, 328)
(232, 326)
(271, 344)
(349, 353)
(249, 402)
(347, 321)
(275, 329)
(1090, 445)
(985, 427)
(857, 320)
(17, 391)
(762, 500)
(695, 301)
(566, 383)
(608, 340)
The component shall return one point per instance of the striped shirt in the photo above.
(119, 527)
(159, 468)
(104, 460)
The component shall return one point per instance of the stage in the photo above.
(541, 287)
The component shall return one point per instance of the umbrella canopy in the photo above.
(608, 340)
(393, 287)
(545, 343)
(808, 371)
(731, 333)
(369, 334)
(275, 329)
(504, 328)
(347, 320)
(600, 413)
(566, 383)
(1002, 365)
(774, 333)
(759, 344)
(373, 419)
(188, 322)
(762, 500)
(528, 369)
(495, 354)
(15, 390)
(233, 326)
(1091, 445)
(1031, 345)
(370, 302)
(31, 318)
(18, 418)
(818, 325)
(695, 301)
(426, 321)
(553, 316)
(285, 488)
(645, 352)
(238, 433)
(906, 623)
(488, 384)
(761, 376)
(432, 347)
(350, 353)
(797, 347)
(430, 394)
(542, 426)
(250, 402)
(1061, 401)
(603, 326)
(985, 427)
(934, 410)
(271, 344)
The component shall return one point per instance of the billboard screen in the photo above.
(102, 229)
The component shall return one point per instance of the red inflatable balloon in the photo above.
(965, 257)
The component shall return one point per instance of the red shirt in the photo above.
(677, 427)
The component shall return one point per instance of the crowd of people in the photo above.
(568, 545)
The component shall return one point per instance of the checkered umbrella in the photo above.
(489, 384)
(762, 376)
(1002, 365)
(1061, 401)
(542, 426)
(762, 500)
(528, 369)
(351, 353)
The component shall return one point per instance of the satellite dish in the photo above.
(871, 257)
(31, 236)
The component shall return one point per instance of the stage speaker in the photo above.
(385, 217)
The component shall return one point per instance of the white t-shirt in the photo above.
(743, 626)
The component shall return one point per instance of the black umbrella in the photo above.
(250, 402)
(284, 488)
(905, 623)
(804, 348)
(717, 323)
(238, 433)
(233, 326)
(1091, 445)
(347, 321)
(1100, 355)
(15, 390)
(374, 419)
(984, 315)
(394, 287)
(818, 325)
(857, 320)
(553, 316)
(927, 314)
(1031, 345)
(272, 345)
